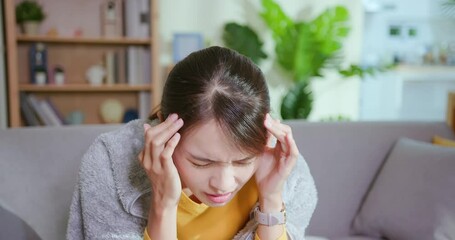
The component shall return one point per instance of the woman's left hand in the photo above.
(275, 164)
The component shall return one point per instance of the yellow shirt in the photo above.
(198, 221)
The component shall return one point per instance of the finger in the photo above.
(166, 133)
(293, 152)
(146, 160)
(166, 155)
(164, 136)
(146, 148)
(278, 130)
(152, 131)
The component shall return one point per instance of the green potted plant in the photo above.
(29, 14)
(302, 48)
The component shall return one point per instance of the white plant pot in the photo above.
(30, 28)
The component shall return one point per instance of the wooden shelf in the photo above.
(76, 55)
(84, 88)
(84, 40)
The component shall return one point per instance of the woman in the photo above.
(204, 167)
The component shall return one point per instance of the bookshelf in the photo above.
(76, 55)
(83, 88)
(84, 40)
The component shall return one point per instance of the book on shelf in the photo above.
(35, 103)
(47, 113)
(138, 66)
(114, 64)
(57, 112)
(109, 65)
(38, 64)
(146, 69)
(137, 25)
(121, 60)
(30, 118)
(50, 113)
(112, 18)
(136, 18)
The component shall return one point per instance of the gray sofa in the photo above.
(38, 171)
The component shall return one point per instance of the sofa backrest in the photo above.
(38, 172)
(39, 166)
(344, 157)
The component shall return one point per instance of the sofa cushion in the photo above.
(413, 194)
(344, 158)
(13, 227)
(438, 140)
(340, 238)
(355, 238)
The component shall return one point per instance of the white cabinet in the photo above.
(408, 93)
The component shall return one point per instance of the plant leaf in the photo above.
(304, 54)
(283, 32)
(330, 27)
(244, 40)
(297, 103)
(276, 19)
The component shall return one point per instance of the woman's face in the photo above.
(210, 167)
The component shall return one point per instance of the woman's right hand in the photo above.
(156, 159)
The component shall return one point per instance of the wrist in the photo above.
(271, 204)
(161, 212)
(162, 223)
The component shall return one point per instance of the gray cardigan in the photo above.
(111, 199)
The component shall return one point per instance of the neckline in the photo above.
(191, 206)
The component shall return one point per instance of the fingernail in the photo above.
(178, 122)
(172, 117)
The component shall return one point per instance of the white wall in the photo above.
(333, 96)
(3, 102)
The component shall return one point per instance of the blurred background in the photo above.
(360, 60)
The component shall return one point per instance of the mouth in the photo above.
(219, 198)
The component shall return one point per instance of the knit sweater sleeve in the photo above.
(96, 212)
(300, 196)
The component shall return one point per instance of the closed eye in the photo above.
(201, 164)
(204, 162)
(244, 162)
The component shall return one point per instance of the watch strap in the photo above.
(270, 219)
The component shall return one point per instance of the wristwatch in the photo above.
(270, 219)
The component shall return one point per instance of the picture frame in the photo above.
(186, 43)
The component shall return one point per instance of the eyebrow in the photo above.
(210, 160)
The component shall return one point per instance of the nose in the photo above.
(223, 180)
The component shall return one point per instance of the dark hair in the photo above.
(221, 84)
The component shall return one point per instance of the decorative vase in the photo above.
(95, 75)
(30, 28)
